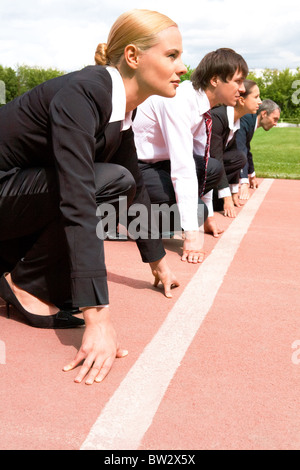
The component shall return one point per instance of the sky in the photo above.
(63, 34)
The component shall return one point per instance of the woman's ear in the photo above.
(131, 56)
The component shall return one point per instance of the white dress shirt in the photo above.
(119, 100)
(233, 126)
(174, 129)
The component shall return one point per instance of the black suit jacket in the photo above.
(220, 133)
(243, 138)
(64, 123)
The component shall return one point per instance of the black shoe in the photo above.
(61, 319)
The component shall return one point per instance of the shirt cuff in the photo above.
(252, 174)
(207, 199)
(188, 217)
(244, 181)
(224, 192)
(234, 188)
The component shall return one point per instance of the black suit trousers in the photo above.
(33, 245)
(234, 161)
(157, 179)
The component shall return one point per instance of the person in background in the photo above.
(172, 138)
(66, 147)
(226, 122)
(267, 117)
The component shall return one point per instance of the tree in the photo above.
(24, 78)
(29, 77)
(187, 75)
(9, 77)
(281, 87)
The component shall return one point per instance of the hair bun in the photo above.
(100, 54)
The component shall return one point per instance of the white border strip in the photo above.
(129, 413)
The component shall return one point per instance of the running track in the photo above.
(216, 367)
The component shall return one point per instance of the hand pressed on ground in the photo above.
(210, 226)
(99, 347)
(163, 274)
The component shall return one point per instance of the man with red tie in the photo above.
(172, 137)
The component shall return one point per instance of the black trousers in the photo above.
(33, 246)
(234, 160)
(157, 178)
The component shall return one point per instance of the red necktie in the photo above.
(208, 125)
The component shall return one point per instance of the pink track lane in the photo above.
(237, 386)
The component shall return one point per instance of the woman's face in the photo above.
(252, 101)
(160, 67)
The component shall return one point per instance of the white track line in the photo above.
(130, 411)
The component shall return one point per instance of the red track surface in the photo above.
(237, 386)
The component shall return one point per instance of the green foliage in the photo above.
(8, 76)
(281, 86)
(29, 77)
(187, 75)
(24, 78)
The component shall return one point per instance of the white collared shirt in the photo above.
(119, 100)
(233, 126)
(174, 129)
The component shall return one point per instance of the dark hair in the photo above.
(223, 63)
(269, 106)
(248, 84)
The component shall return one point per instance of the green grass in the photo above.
(276, 153)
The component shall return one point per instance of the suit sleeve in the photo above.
(243, 138)
(77, 113)
(217, 145)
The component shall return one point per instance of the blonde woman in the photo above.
(65, 147)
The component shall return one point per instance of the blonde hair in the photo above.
(138, 27)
